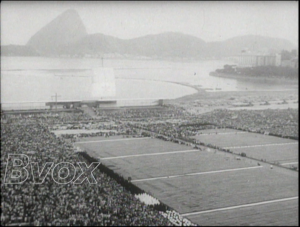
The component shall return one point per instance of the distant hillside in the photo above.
(169, 44)
(97, 44)
(163, 45)
(66, 35)
(17, 50)
(63, 31)
(166, 45)
(254, 43)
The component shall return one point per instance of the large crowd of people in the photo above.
(281, 122)
(144, 114)
(49, 203)
(107, 202)
(50, 118)
(171, 121)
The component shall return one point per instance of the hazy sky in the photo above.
(210, 21)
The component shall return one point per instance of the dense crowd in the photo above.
(92, 129)
(282, 122)
(107, 202)
(49, 203)
(144, 114)
(177, 219)
(49, 117)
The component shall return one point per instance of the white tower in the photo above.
(103, 84)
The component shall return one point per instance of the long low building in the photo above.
(252, 60)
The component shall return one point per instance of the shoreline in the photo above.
(254, 79)
(197, 88)
(203, 101)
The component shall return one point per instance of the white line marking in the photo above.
(100, 141)
(139, 155)
(220, 133)
(240, 206)
(262, 145)
(193, 174)
(289, 163)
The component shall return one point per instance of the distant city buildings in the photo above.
(249, 59)
(254, 60)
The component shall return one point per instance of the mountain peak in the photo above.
(70, 11)
(66, 35)
(66, 29)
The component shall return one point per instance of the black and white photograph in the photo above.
(149, 113)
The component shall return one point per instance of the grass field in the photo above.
(266, 214)
(258, 146)
(177, 164)
(282, 154)
(225, 189)
(127, 146)
(240, 139)
(192, 180)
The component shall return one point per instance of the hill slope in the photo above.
(66, 34)
(64, 30)
(169, 44)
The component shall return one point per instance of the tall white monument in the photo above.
(103, 84)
